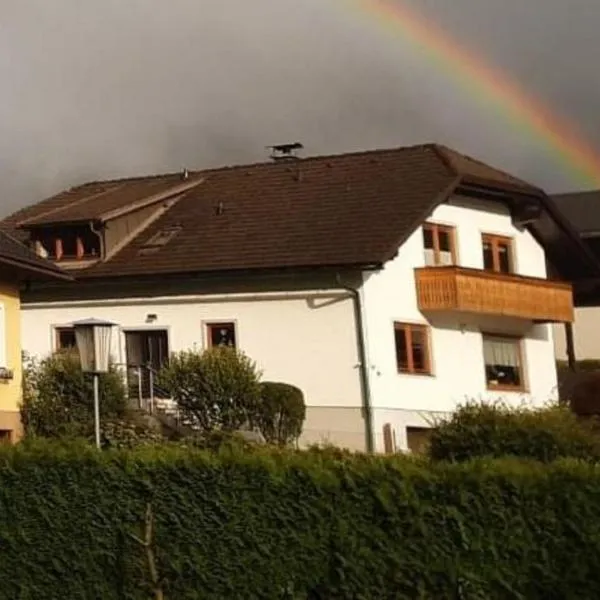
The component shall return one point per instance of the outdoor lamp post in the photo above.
(93, 343)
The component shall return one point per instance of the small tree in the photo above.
(58, 397)
(217, 389)
(281, 412)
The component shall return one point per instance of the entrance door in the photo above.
(148, 350)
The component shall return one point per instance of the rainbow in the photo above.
(558, 138)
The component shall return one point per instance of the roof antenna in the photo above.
(185, 174)
(285, 151)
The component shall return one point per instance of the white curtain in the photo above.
(445, 258)
(429, 257)
(501, 351)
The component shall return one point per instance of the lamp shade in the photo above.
(93, 343)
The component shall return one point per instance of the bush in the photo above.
(583, 394)
(281, 412)
(496, 430)
(128, 433)
(217, 389)
(58, 398)
(281, 524)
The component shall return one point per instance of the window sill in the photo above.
(415, 374)
(507, 388)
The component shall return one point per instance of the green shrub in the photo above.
(128, 432)
(583, 394)
(218, 389)
(58, 397)
(496, 430)
(287, 524)
(217, 441)
(281, 412)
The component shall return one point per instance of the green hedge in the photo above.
(498, 430)
(277, 525)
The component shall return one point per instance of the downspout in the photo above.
(363, 366)
(571, 358)
(100, 235)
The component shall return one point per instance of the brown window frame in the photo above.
(210, 325)
(522, 387)
(57, 331)
(435, 230)
(408, 329)
(495, 241)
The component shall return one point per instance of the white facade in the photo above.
(389, 296)
(586, 335)
(309, 338)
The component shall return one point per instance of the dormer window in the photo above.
(67, 243)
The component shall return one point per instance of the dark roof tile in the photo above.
(347, 209)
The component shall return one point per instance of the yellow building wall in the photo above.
(10, 390)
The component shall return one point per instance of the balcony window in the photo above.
(497, 254)
(503, 363)
(438, 242)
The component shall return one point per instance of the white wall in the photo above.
(586, 335)
(310, 343)
(456, 342)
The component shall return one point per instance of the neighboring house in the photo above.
(582, 210)
(18, 267)
(388, 285)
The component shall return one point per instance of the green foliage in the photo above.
(128, 433)
(58, 397)
(585, 366)
(496, 430)
(278, 524)
(281, 412)
(218, 389)
(217, 441)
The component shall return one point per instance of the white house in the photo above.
(388, 285)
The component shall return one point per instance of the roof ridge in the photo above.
(255, 164)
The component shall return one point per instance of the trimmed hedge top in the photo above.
(298, 525)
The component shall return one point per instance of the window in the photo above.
(497, 254)
(159, 240)
(412, 349)
(5, 437)
(503, 363)
(438, 241)
(146, 351)
(221, 334)
(68, 243)
(64, 338)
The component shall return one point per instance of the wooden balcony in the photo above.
(496, 294)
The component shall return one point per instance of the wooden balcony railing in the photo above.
(484, 292)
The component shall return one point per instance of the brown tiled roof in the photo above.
(94, 201)
(349, 209)
(16, 255)
(582, 209)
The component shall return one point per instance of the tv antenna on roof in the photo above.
(285, 151)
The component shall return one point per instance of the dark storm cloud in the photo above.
(98, 89)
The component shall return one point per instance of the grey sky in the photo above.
(108, 88)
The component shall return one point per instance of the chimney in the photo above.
(281, 152)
